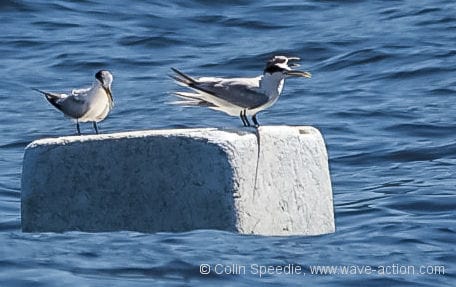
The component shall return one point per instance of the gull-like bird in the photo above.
(91, 104)
(239, 96)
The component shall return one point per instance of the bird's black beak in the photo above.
(296, 73)
(109, 93)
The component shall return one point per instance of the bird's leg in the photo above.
(95, 127)
(246, 119)
(242, 119)
(77, 127)
(254, 119)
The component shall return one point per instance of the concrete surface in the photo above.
(179, 180)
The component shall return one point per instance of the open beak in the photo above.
(296, 73)
(293, 59)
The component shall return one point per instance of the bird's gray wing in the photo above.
(74, 106)
(80, 92)
(236, 92)
(239, 92)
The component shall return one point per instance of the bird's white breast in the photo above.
(98, 105)
(271, 85)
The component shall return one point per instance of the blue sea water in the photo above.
(383, 94)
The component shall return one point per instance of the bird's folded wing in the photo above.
(236, 93)
(79, 94)
(74, 106)
(56, 97)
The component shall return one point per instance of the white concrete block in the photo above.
(179, 180)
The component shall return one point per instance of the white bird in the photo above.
(91, 104)
(239, 96)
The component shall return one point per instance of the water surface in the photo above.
(382, 93)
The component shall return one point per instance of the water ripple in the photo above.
(161, 41)
(381, 93)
